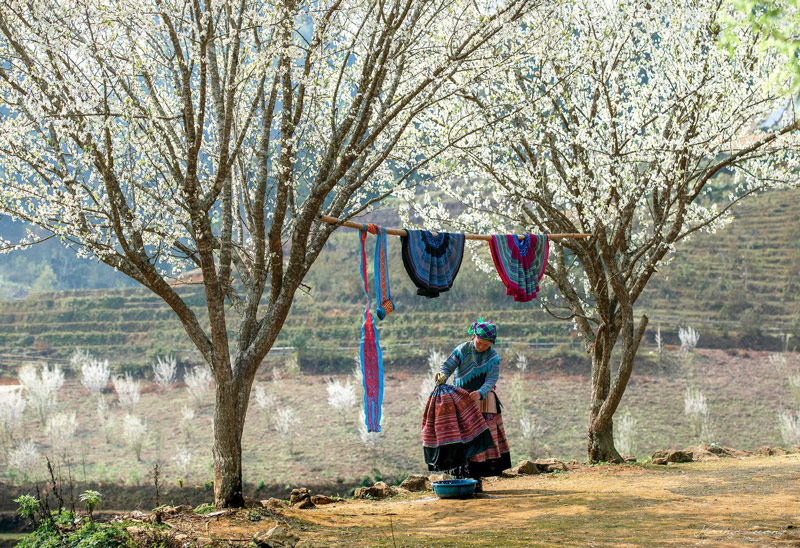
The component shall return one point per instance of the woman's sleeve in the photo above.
(491, 377)
(451, 363)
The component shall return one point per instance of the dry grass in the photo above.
(744, 394)
(751, 501)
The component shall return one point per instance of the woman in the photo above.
(476, 368)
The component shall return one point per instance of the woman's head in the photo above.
(484, 334)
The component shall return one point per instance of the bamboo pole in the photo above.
(401, 232)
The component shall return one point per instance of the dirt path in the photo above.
(747, 502)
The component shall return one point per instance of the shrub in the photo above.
(91, 499)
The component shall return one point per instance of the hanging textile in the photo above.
(453, 429)
(383, 297)
(432, 262)
(520, 263)
(370, 352)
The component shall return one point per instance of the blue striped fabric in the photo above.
(432, 262)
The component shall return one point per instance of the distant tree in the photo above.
(128, 391)
(165, 135)
(42, 386)
(341, 397)
(198, 382)
(164, 371)
(777, 22)
(618, 124)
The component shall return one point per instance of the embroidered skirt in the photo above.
(453, 428)
(496, 458)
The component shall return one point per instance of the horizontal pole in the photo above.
(401, 232)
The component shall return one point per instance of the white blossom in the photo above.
(12, 408)
(625, 433)
(164, 371)
(198, 382)
(42, 387)
(24, 458)
(134, 431)
(94, 376)
(688, 337)
(789, 424)
(60, 429)
(371, 440)
(78, 358)
(286, 423)
(341, 397)
(128, 391)
(182, 459)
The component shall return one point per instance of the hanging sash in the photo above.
(383, 297)
(370, 354)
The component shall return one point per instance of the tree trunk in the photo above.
(601, 442)
(228, 425)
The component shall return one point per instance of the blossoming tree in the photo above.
(164, 135)
(617, 125)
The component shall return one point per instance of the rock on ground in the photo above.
(416, 482)
(768, 451)
(301, 498)
(550, 465)
(277, 537)
(273, 504)
(321, 500)
(378, 491)
(525, 467)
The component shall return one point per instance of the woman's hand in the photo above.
(475, 396)
(440, 378)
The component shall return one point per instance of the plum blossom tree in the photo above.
(168, 135)
(165, 135)
(42, 386)
(618, 124)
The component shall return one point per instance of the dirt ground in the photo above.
(744, 502)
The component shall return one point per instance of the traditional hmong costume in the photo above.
(432, 262)
(453, 429)
(520, 263)
(370, 354)
(479, 371)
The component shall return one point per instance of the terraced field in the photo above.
(738, 288)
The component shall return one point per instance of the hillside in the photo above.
(738, 288)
